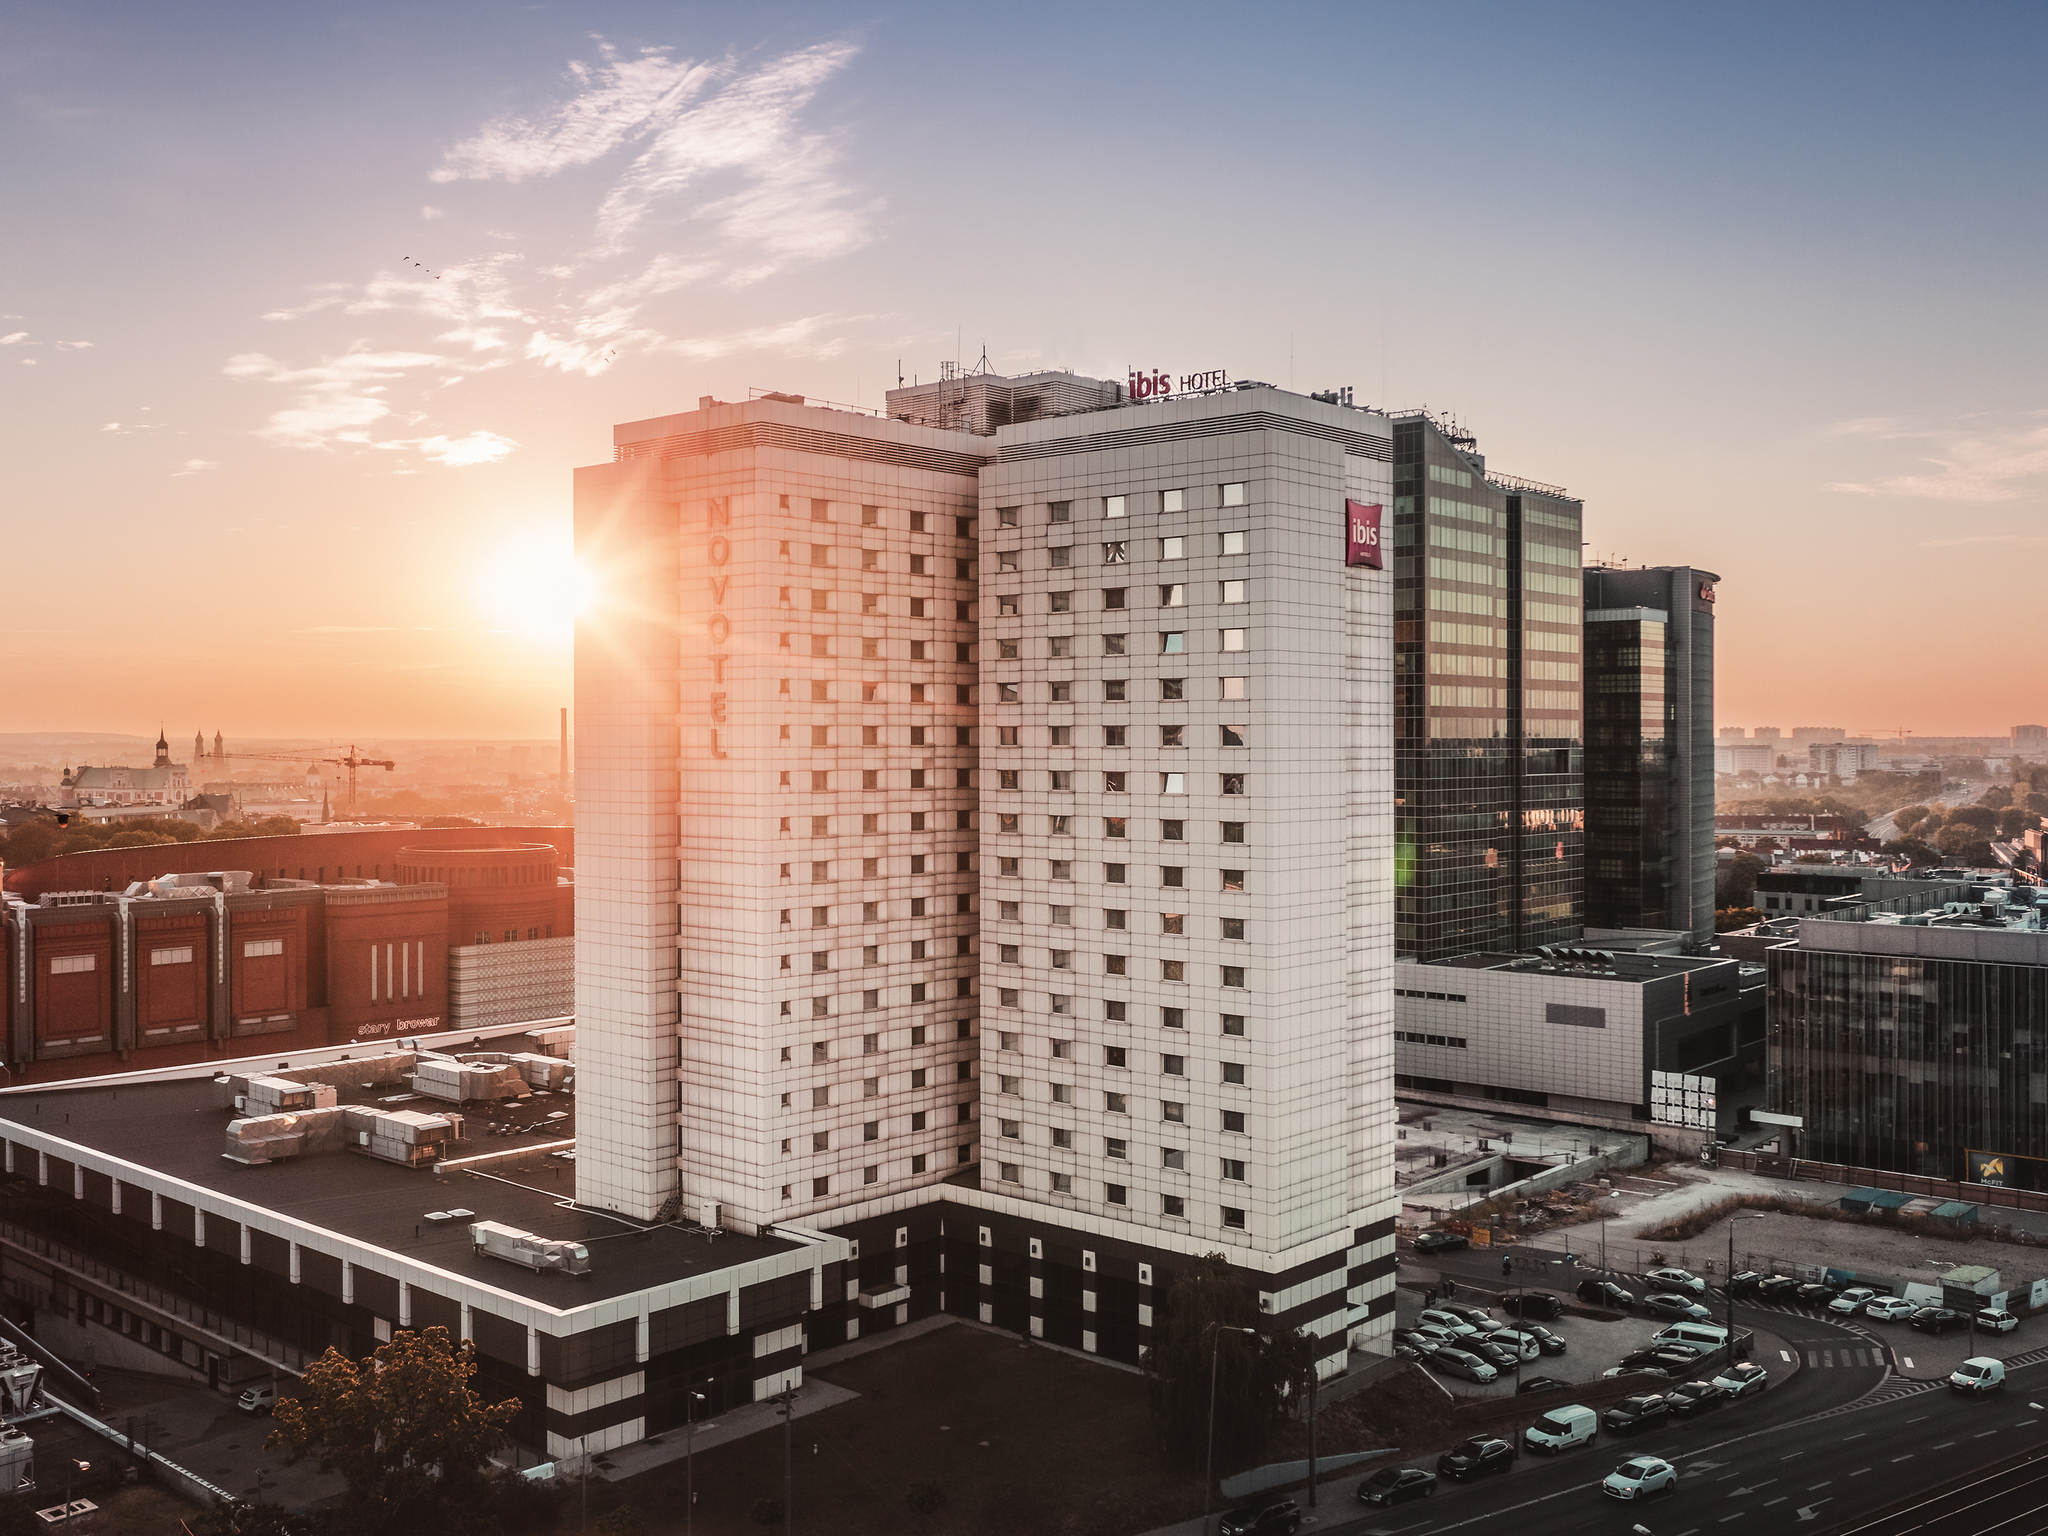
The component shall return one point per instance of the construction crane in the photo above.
(351, 760)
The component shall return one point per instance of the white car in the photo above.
(1742, 1380)
(1996, 1320)
(1526, 1346)
(1639, 1477)
(1851, 1301)
(1887, 1309)
(1450, 1322)
(1678, 1280)
(1675, 1304)
(1979, 1373)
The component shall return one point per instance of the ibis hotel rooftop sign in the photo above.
(1158, 386)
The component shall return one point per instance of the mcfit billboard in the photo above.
(2004, 1170)
(1362, 535)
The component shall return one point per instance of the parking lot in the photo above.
(1593, 1343)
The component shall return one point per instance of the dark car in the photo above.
(1776, 1288)
(1543, 1306)
(1415, 1345)
(1499, 1356)
(1646, 1410)
(1937, 1320)
(1475, 1458)
(1667, 1359)
(1605, 1293)
(1540, 1384)
(1441, 1242)
(1547, 1341)
(1396, 1485)
(1275, 1517)
(1692, 1397)
(1744, 1282)
(1814, 1294)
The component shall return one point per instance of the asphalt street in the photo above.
(1841, 1448)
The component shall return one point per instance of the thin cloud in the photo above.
(73, 346)
(194, 467)
(2008, 540)
(1970, 465)
(347, 629)
(429, 211)
(13, 338)
(809, 336)
(611, 103)
(336, 401)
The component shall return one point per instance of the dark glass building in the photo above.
(1917, 1042)
(1487, 705)
(1649, 696)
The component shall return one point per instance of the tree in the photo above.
(1253, 1375)
(258, 1519)
(2012, 821)
(1998, 797)
(1913, 851)
(1909, 818)
(1735, 880)
(1979, 818)
(1728, 919)
(403, 1429)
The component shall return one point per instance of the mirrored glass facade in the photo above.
(1487, 709)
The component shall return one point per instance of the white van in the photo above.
(1561, 1429)
(1705, 1335)
(258, 1399)
(1979, 1373)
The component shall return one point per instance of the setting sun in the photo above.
(533, 586)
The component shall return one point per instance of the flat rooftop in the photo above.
(176, 1128)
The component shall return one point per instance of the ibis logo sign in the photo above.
(1362, 534)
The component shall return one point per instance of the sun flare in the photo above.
(534, 587)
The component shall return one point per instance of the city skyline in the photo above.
(325, 490)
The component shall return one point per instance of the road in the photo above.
(1843, 1448)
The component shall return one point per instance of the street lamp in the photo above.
(691, 1399)
(1728, 1278)
(1209, 1451)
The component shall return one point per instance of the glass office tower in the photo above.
(1487, 707)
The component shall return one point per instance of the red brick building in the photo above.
(164, 955)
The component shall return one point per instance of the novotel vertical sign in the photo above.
(1362, 534)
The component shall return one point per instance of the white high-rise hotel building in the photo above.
(985, 847)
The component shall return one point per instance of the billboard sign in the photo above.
(1362, 535)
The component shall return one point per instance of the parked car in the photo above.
(1540, 1384)
(1669, 1363)
(1544, 1306)
(1561, 1429)
(1441, 1242)
(1851, 1301)
(1937, 1320)
(1691, 1398)
(1397, 1485)
(1669, 1304)
(1449, 1322)
(1605, 1293)
(1979, 1373)
(1436, 1335)
(1996, 1320)
(1481, 1319)
(1275, 1517)
(1552, 1343)
(1743, 1380)
(1499, 1356)
(258, 1399)
(1776, 1288)
(1888, 1309)
(1462, 1362)
(1526, 1345)
(1816, 1293)
(1646, 1410)
(1639, 1477)
(1475, 1458)
(1744, 1282)
(1705, 1335)
(1415, 1344)
(1673, 1279)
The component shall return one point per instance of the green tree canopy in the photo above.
(405, 1432)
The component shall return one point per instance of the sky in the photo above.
(308, 312)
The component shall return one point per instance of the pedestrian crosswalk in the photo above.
(1842, 1356)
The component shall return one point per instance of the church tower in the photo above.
(163, 749)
